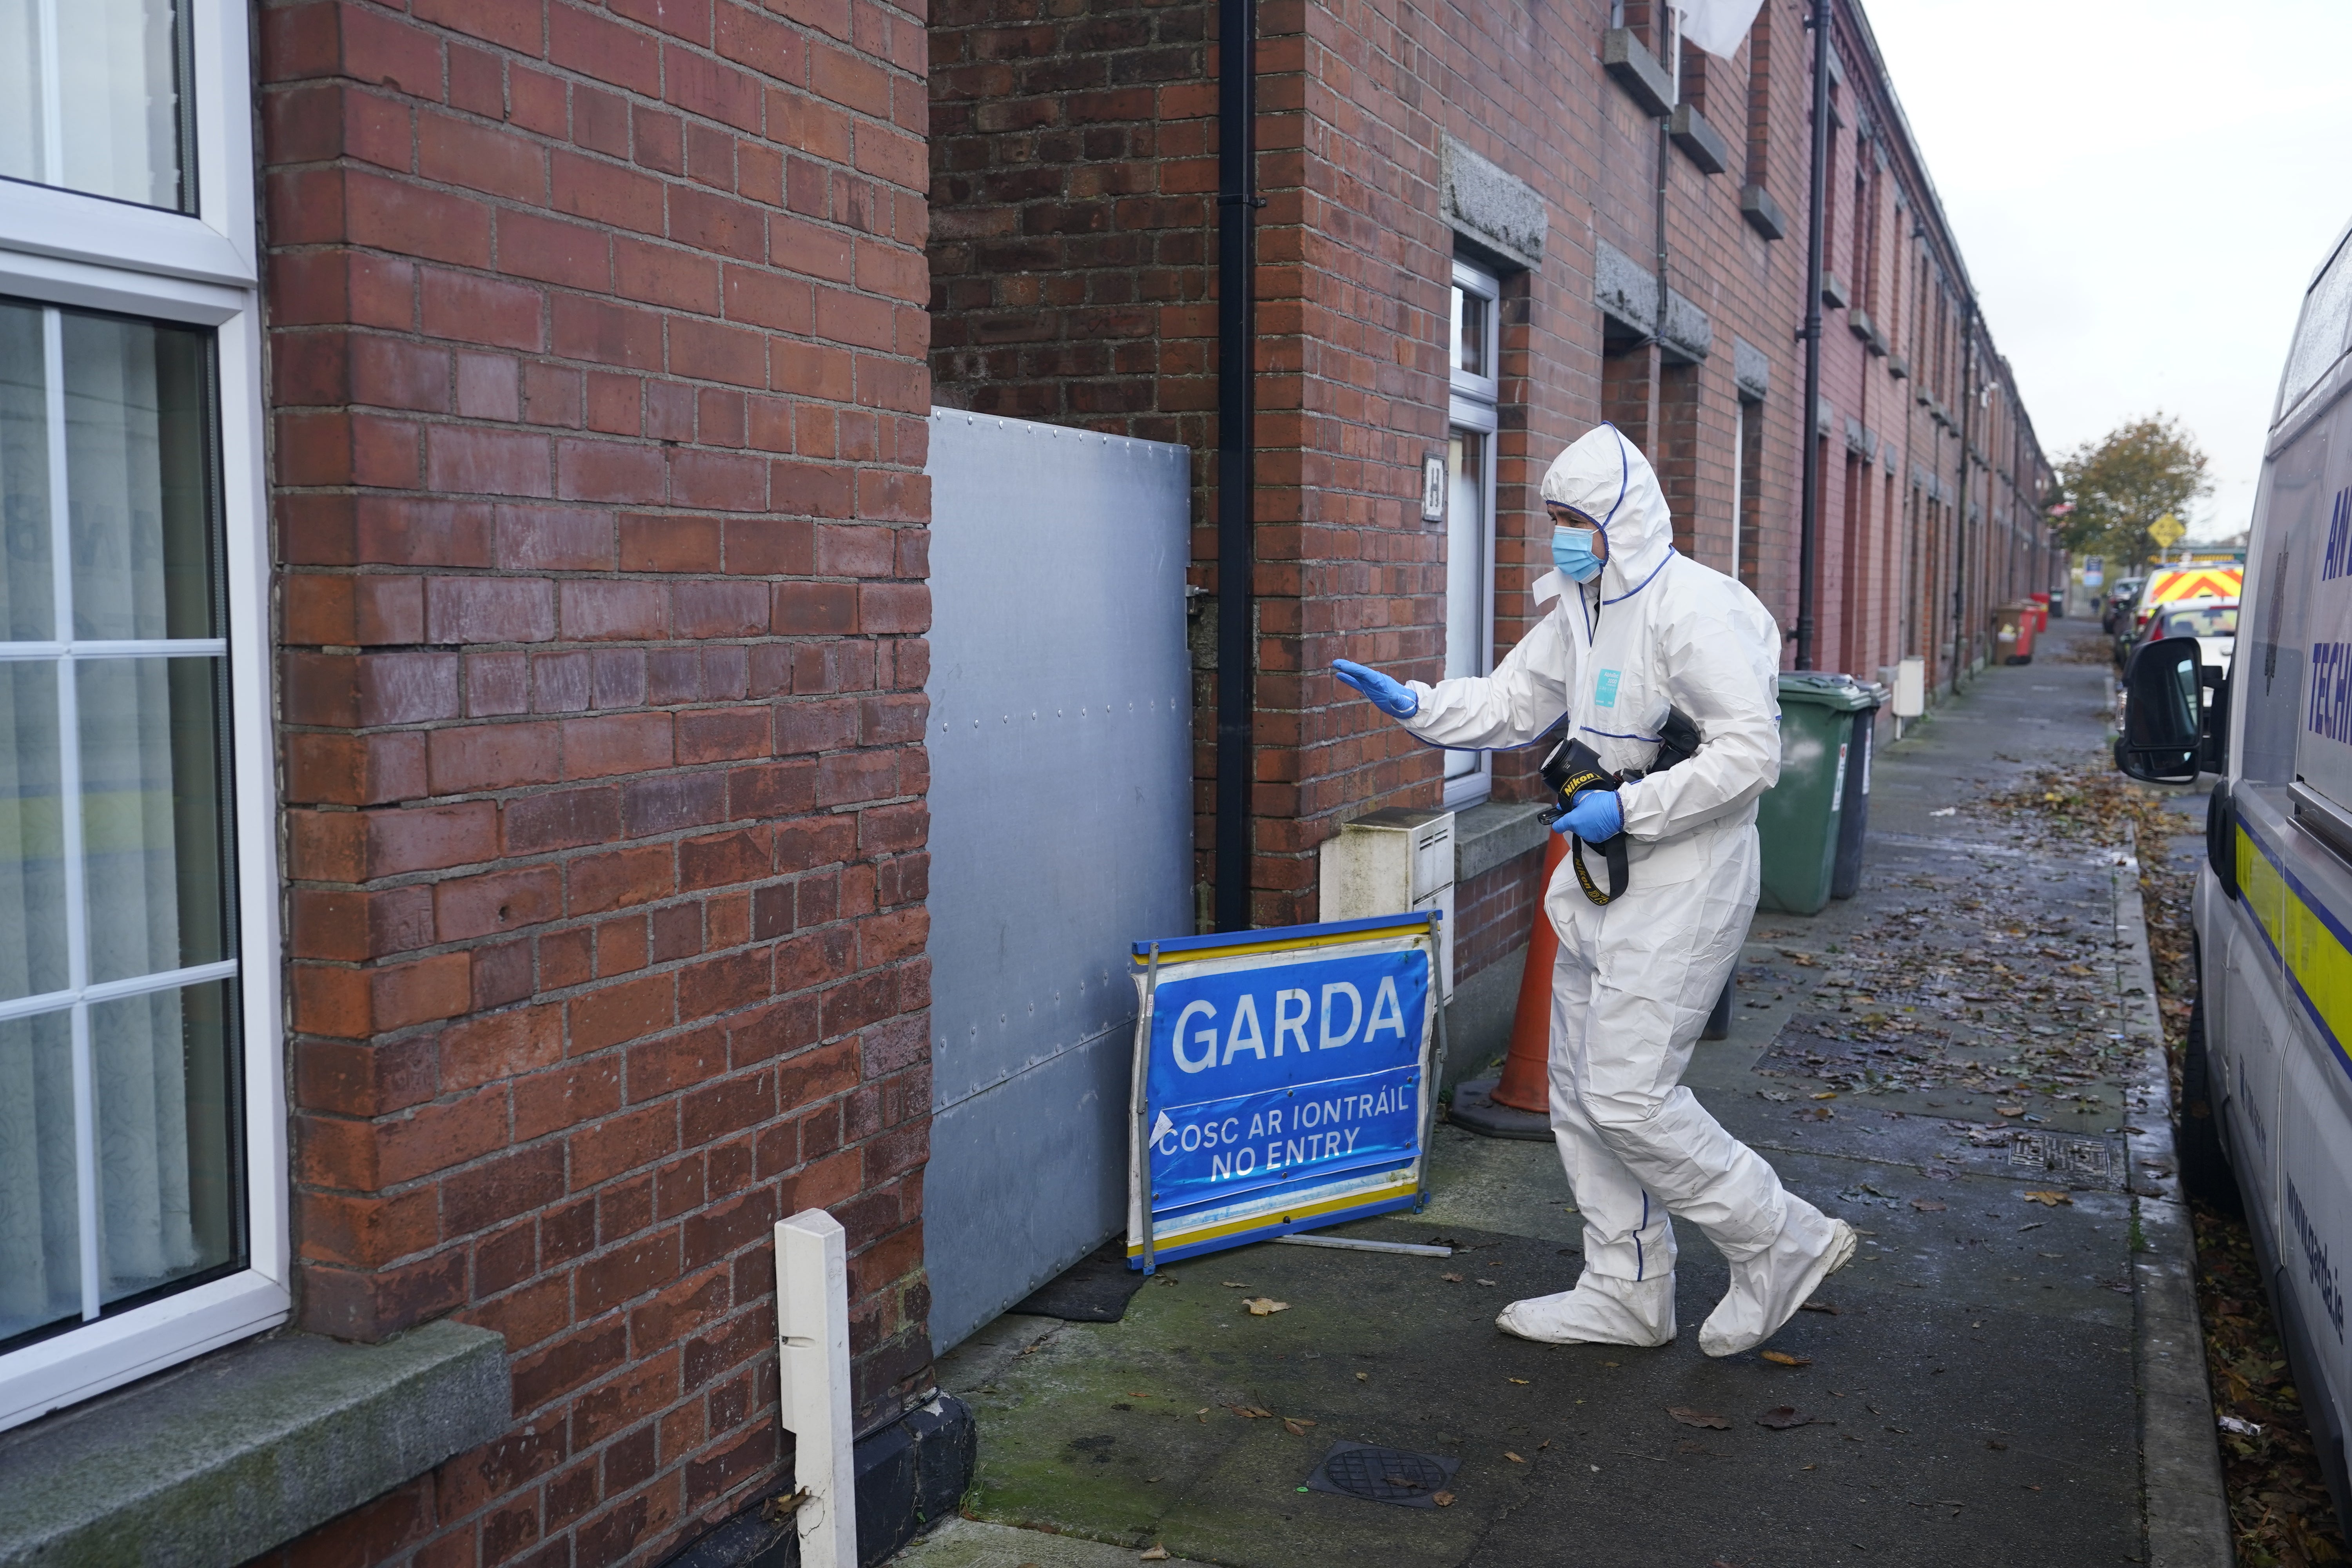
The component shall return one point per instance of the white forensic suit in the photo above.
(1637, 977)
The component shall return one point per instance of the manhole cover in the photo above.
(1383, 1475)
(2087, 1159)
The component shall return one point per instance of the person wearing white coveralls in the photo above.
(1637, 977)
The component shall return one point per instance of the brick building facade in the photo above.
(594, 383)
(1649, 255)
(596, 363)
(571, 365)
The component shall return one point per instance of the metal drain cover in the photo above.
(1383, 1475)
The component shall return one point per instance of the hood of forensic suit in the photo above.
(1604, 478)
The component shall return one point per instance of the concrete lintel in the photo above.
(244, 1450)
(1762, 212)
(1625, 290)
(1629, 61)
(1700, 141)
(1751, 369)
(1686, 333)
(1492, 206)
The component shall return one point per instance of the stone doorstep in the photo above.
(218, 1461)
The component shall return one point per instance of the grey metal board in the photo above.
(1061, 802)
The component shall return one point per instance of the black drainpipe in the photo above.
(1809, 504)
(1237, 204)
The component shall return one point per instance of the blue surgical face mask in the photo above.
(1571, 552)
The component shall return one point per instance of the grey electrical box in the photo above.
(1396, 862)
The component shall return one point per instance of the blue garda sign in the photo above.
(1283, 1081)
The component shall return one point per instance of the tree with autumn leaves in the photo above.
(2111, 490)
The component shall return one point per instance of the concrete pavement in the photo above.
(1960, 1060)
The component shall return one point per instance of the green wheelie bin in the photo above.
(1798, 819)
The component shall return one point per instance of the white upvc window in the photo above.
(142, 1129)
(1472, 351)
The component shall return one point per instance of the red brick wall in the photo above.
(1494, 911)
(1076, 283)
(596, 345)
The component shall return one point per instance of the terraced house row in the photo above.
(476, 664)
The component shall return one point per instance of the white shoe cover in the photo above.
(1600, 1311)
(1767, 1290)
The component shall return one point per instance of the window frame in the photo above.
(68, 248)
(1472, 405)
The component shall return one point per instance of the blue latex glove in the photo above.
(1391, 698)
(1594, 816)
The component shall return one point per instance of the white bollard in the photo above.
(813, 1350)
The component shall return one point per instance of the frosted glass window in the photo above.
(94, 97)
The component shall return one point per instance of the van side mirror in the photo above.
(2164, 712)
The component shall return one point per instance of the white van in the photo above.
(2268, 1085)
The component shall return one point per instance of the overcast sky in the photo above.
(2141, 190)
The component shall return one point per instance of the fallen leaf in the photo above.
(1156, 1554)
(2010, 1109)
(1233, 1285)
(1292, 1427)
(1542, 1445)
(1264, 1306)
(1780, 1417)
(1690, 1417)
(1928, 1205)
(1363, 1377)
(1451, 1278)
(1443, 1499)
(1486, 1281)
(2048, 1200)
(1826, 1094)
(1520, 1380)
(1820, 1306)
(1782, 1358)
(1251, 1411)
(1995, 1444)
(1513, 1457)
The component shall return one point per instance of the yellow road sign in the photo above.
(2167, 530)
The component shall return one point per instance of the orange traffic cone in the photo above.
(1519, 1105)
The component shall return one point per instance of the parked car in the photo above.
(2212, 621)
(2194, 582)
(2266, 1088)
(2120, 600)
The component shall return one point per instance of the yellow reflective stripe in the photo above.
(2322, 968)
(1167, 1235)
(1292, 945)
(2314, 958)
(2262, 888)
